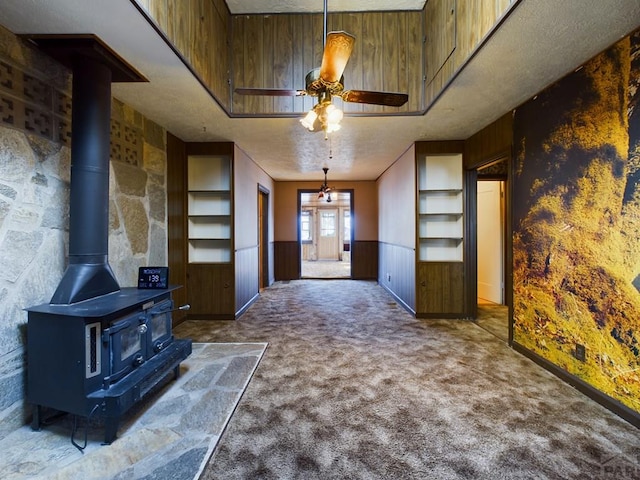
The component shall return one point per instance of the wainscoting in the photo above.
(286, 258)
(397, 273)
(247, 276)
(364, 260)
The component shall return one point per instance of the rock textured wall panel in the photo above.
(35, 160)
(576, 223)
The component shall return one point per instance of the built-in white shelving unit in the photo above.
(209, 209)
(440, 208)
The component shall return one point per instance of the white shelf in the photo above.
(209, 172)
(440, 201)
(209, 203)
(209, 209)
(440, 226)
(440, 172)
(440, 250)
(210, 227)
(440, 208)
(209, 251)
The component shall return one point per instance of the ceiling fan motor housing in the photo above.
(315, 86)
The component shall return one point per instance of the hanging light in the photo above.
(324, 188)
(308, 121)
(324, 115)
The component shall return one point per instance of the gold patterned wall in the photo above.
(576, 203)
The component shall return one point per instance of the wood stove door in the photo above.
(159, 327)
(128, 345)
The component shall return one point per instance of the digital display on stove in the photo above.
(153, 277)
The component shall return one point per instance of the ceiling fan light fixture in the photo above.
(334, 114)
(309, 120)
(324, 116)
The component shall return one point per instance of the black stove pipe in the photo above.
(88, 274)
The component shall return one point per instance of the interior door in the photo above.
(490, 244)
(328, 238)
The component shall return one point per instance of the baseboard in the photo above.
(247, 305)
(605, 400)
(398, 299)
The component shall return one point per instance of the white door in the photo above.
(328, 244)
(490, 241)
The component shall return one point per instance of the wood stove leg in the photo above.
(35, 421)
(110, 430)
(176, 372)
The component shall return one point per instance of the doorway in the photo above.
(263, 237)
(491, 223)
(325, 234)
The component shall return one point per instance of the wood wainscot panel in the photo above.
(211, 291)
(364, 260)
(440, 290)
(397, 273)
(286, 257)
(247, 288)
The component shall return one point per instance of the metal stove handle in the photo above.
(182, 307)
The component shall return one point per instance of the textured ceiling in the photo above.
(538, 43)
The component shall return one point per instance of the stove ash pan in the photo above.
(101, 356)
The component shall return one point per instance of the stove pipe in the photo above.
(88, 274)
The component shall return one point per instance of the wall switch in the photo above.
(581, 352)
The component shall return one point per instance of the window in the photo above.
(305, 226)
(347, 226)
(328, 224)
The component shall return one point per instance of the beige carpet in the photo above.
(168, 436)
(354, 387)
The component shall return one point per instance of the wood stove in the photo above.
(101, 356)
(96, 349)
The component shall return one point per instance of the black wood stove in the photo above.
(96, 349)
(101, 356)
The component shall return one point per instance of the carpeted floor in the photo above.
(167, 436)
(354, 387)
(494, 319)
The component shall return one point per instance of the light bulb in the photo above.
(308, 121)
(334, 115)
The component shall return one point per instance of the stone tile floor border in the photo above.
(170, 434)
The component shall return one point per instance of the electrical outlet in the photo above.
(581, 352)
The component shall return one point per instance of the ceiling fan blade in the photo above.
(337, 51)
(271, 92)
(376, 98)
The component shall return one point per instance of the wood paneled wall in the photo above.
(286, 259)
(414, 52)
(441, 289)
(439, 147)
(492, 142)
(199, 31)
(277, 51)
(247, 288)
(176, 213)
(464, 30)
(364, 260)
(398, 273)
(211, 291)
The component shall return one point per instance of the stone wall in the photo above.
(35, 157)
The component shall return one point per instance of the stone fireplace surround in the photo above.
(35, 126)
